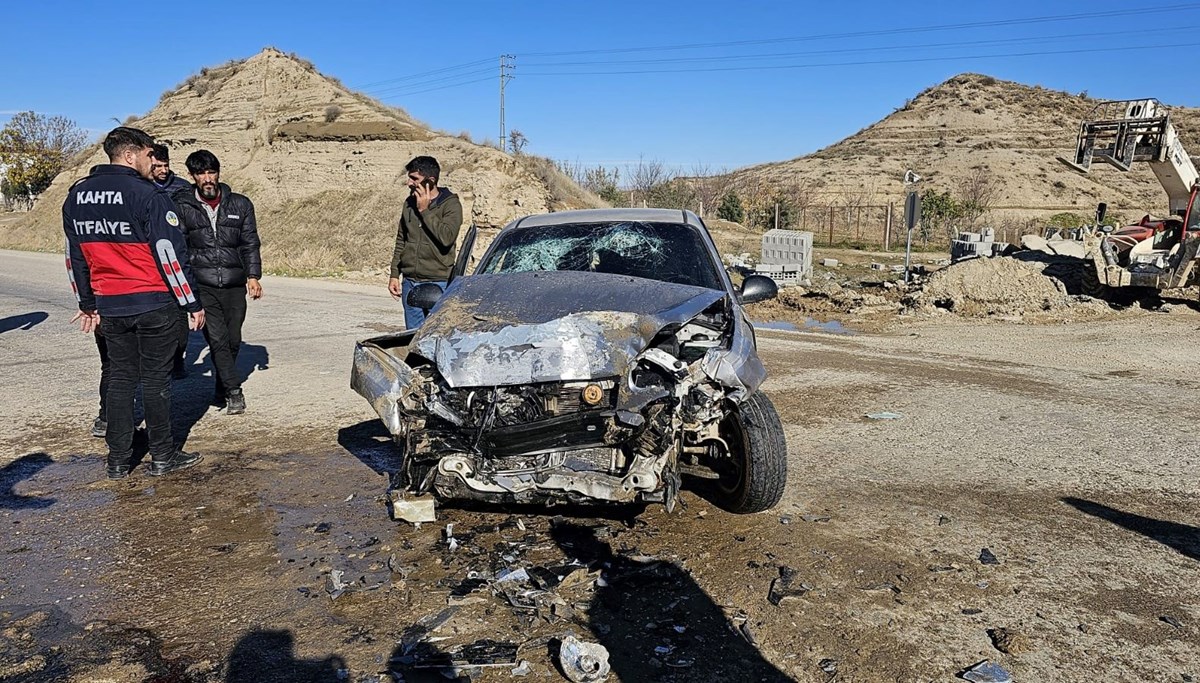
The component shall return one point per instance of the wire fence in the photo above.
(881, 226)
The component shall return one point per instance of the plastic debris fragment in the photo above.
(583, 662)
(987, 672)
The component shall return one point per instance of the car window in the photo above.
(666, 252)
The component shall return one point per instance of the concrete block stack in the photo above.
(786, 257)
(976, 244)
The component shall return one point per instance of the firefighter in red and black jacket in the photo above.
(128, 264)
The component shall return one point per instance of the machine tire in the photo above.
(1090, 285)
(756, 480)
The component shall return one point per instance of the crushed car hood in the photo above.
(520, 328)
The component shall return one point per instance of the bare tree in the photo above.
(707, 188)
(857, 199)
(517, 141)
(977, 193)
(646, 176)
(801, 195)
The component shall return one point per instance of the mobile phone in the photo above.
(428, 183)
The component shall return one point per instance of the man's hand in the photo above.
(423, 196)
(253, 288)
(196, 321)
(89, 321)
(394, 288)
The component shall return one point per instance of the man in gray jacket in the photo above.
(425, 239)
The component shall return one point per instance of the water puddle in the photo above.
(809, 325)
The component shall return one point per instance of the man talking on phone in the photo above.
(429, 225)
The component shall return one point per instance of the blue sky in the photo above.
(716, 84)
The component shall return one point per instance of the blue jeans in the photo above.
(413, 317)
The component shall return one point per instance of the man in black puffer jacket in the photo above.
(223, 250)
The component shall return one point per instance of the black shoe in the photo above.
(99, 428)
(176, 461)
(119, 470)
(235, 403)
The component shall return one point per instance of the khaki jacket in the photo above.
(425, 241)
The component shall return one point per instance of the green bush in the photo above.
(731, 208)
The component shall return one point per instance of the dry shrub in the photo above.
(330, 232)
(30, 234)
(302, 61)
(564, 193)
(332, 112)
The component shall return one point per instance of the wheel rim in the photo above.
(731, 468)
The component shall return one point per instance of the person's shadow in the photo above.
(660, 596)
(24, 467)
(24, 321)
(1183, 538)
(263, 656)
(192, 396)
(19, 469)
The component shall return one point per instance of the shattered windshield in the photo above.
(656, 251)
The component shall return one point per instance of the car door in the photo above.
(464, 260)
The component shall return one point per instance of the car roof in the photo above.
(608, 216)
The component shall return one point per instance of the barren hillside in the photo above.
(972, 121)
(324, 165)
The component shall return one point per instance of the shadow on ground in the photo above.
(1184, 538)
(269, 656)
(637, 615)
(24, 321)
(24, 467)
(192, 396)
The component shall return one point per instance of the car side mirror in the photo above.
(424, 296)
(758, 288)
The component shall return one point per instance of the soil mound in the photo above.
(994, 286)
(324, 165)
(947, 132)
(1029, 283)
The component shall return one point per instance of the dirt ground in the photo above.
(1037, 493)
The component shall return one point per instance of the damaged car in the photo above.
(596, 356)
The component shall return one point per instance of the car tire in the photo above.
(758, 473)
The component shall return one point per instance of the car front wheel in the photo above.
(754, 473)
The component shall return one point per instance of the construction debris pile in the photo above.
(994, 286)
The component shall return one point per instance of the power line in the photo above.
(440, 87)
(882, 32)
(850, 50)
(428, 82)
(776, 67)
(423, 74)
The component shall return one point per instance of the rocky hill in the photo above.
(1012, 131)
(323, 165)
